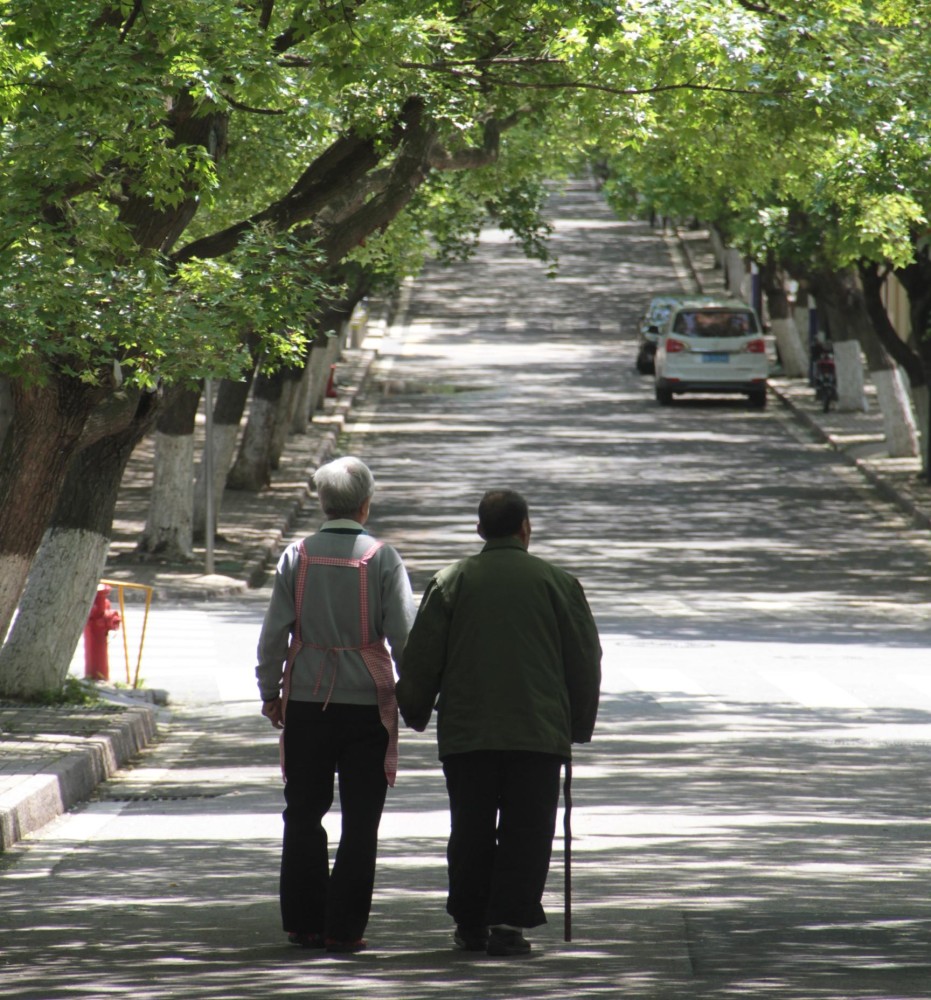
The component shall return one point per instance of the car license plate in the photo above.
(715, 357)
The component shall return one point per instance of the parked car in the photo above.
(711, 345)
(651, 323)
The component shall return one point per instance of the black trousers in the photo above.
(503, 815)
(348, 740)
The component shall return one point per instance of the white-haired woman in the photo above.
(338, 618)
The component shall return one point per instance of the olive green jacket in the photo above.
(505, 646)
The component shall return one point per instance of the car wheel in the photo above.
(758, 399)
(663, 395)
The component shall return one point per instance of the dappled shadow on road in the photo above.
(700, 519)
(725, 847)
(720, 848)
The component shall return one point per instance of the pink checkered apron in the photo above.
(374, 653)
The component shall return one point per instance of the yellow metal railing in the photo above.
(120, 586)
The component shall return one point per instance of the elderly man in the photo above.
(326, 677)
(508, 643)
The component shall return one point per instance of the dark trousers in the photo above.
(349, 740)
(503, 815)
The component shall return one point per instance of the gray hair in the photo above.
(343, 485)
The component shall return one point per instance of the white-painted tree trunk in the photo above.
(319, 373)
(325, 358)
(358, 323)
(717, 246)
(46, 633)
(254, 447)
(14, 571)
(169, 526)
(224, 450)
(802, 322)
(851, 387)
(736, 273)
(284, 417)
(792, 351)
(894, 403)
(302, 411)
(921, 400)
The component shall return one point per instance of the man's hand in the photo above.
(272, 711)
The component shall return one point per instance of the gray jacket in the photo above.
(329, 668)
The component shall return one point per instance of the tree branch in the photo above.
(239, 106)
(338, 169)
(456, 69)
(440, 158)
(343, 10)
(872, 281)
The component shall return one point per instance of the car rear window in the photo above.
(715, 323)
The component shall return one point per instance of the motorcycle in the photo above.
(824, 379)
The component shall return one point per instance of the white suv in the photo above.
(711, 346)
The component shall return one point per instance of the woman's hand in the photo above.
(272, 711)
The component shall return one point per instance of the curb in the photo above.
(920, 516)
(40, 798)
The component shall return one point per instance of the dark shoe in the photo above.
(307, 940)
(471, 938)
(345, 947)
(505, 943)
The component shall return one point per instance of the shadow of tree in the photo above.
(719, 848)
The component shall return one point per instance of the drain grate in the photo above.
(156, 797)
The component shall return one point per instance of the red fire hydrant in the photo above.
(101, 621)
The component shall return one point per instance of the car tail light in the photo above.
(757, 346)
(673, 346)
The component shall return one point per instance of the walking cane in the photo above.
(567, 853)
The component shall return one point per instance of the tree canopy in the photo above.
(181, 178)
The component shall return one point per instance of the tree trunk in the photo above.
(851, 382)
(717, 246)
(735, 270)
(169, 529)
(227, 417)
(65, 572)
(792, 352)
(908, 360)
(284, 415)
(916, 279)
(332, 318)
(838, 311)
(895, 404)
(841, 294)
(922, 401)
(301, 411)
(6, 408)
(804, 308)
(43, 435)
(253, 466)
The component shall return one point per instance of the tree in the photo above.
(147, 152)
(828, 179)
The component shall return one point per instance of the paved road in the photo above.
(753, 816)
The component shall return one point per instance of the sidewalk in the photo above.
(53, 758)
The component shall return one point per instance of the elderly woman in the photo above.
(326, 678)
